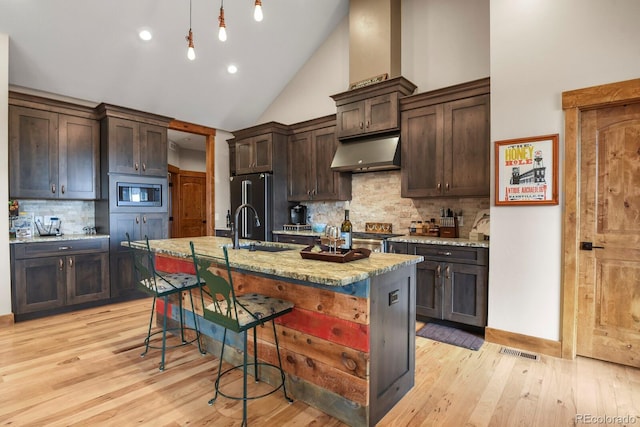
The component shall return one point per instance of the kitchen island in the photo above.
(348, 347)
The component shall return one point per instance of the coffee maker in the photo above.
(298, 215)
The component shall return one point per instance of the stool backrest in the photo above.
(145, 271)
(222, 309)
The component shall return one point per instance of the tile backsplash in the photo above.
(376, 198)
(74, 214)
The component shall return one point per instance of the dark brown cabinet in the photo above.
(136, 148)
(261, 148)
(311, 148)
(53, 154)
(451, 283)
(446, 142)
(370, 109)
(53, 275)
(296, 239)
(138, 225)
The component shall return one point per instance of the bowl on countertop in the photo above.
(318, 227)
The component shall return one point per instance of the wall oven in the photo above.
(130, 193)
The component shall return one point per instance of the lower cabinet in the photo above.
(138, 225)
(54, 275)
(451, 283)
(296, 239)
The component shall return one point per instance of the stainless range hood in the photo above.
(368, 155)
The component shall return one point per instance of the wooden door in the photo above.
(191, 204)
(608, 320)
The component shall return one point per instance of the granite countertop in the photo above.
(425, 240)
(288, 264)
(64, 237)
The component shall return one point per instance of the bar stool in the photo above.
(239, 314)
(161, 284)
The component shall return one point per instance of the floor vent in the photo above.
(518, 353)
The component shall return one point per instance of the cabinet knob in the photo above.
(137, 220)
(438, 271)
(62, 189)
(447, 186)
(447, 253)
(447, 272)
(136, 166)
(439, 186)
(144, 167)
(53, 188)
(60, 264)
(368, 123)
(70, 262)
(144, 219)
(361, 125)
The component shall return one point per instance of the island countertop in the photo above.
(288, 263)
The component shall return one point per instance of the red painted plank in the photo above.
(340, 331)
(174, 265)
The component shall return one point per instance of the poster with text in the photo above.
(526, 171)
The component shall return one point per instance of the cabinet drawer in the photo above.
(295, 239)
(454, 254)
(61, 247)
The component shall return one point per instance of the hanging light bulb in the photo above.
(222, 32)
(257, 12)
(191, 52)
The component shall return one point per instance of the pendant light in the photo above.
(257, 12)
(191, 52)
(222, 32)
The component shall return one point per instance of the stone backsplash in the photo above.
(74, 214)
(376, 198)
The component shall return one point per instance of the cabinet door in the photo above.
(467, 147)
(153, 150)
(154, 226)
(87, 277)
(33, 153)
(124, 146)
(328, 184)
(299, 166)
(39, 284)
(429, 289)
(465, 294)
(244, 156)
(381, 113)
(397, 247)
(422, 152)
(79, 158)
(350, 119)
(262, 150)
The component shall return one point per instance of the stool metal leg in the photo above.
(284, 386)
(217, 383)
(244, 377)
(164, 331)
(255, 356)
(195, 323)
(146, 341)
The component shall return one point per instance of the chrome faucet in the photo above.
(234, 224)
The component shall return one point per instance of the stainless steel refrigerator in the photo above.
(257, 190)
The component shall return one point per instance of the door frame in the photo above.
(210, 135)
(573, 102)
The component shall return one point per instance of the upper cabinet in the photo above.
(371, 109)
(311, 148)
(133, 142)
(53, 149)
(445, 139)
(258, 149)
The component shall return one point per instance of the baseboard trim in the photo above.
(6, 320)
(523, 342)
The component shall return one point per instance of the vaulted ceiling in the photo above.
(90, 50)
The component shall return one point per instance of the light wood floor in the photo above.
(84, 368)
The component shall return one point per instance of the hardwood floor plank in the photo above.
(84, 368)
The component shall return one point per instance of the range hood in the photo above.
(367, 155)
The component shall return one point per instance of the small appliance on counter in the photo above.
(298, 214)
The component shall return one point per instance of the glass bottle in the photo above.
(345, 231)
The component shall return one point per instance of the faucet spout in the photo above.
(234, 225)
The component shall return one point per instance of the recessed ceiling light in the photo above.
(232, 69)
(145, 35)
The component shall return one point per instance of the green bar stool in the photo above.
(239, 314)
(161, 284)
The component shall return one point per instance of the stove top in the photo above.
(373, 236)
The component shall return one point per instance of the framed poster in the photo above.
(527, 171)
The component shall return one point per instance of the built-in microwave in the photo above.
(130, 193)
(138, 194)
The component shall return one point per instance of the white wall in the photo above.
(538, 50)
(5, 270)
